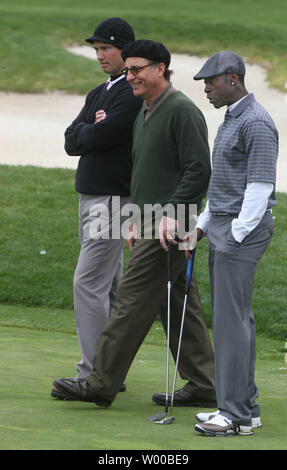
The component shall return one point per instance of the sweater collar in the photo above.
(148, 108)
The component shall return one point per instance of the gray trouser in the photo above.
(96, 278)
(232, 268)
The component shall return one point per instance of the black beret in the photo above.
(147, 49)
(114, 31)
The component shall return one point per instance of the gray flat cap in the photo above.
(219, 63)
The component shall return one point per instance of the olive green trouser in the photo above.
(141, 296)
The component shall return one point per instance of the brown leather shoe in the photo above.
(184, 398)
(77, 390)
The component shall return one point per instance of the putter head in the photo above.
(168, 420)
(156, 417)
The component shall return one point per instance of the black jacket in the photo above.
(105, 147)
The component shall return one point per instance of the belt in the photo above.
(232, 214)
(223, 213)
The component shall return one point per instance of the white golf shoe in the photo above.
(203, 417)
(220, 426)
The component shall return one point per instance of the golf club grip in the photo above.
(169, 262)
(189, 271)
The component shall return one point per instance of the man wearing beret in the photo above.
(102, 135)
(171, 166)
(239, 225)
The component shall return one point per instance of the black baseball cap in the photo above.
(115, 31)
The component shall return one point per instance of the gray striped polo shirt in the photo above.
(245, 150)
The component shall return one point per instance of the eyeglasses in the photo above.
(136, 69)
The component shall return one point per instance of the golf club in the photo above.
(170, 419)
(163, 414)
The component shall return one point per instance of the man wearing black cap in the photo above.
(102, 135)
(171, 166)
(239, 224)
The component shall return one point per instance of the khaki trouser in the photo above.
(141, 296)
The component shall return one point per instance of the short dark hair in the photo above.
(241, 79)
(167, 74)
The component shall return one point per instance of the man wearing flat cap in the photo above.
(171, 167)
(239, 225)
(102, 135)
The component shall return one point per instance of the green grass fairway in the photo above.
(31, 419)
(39, 212)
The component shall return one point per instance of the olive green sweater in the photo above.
(171, 158)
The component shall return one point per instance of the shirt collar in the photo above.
(239, 106)
(110, 82)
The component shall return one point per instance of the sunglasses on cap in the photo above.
(136, 69)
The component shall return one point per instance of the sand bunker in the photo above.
(32, 125)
